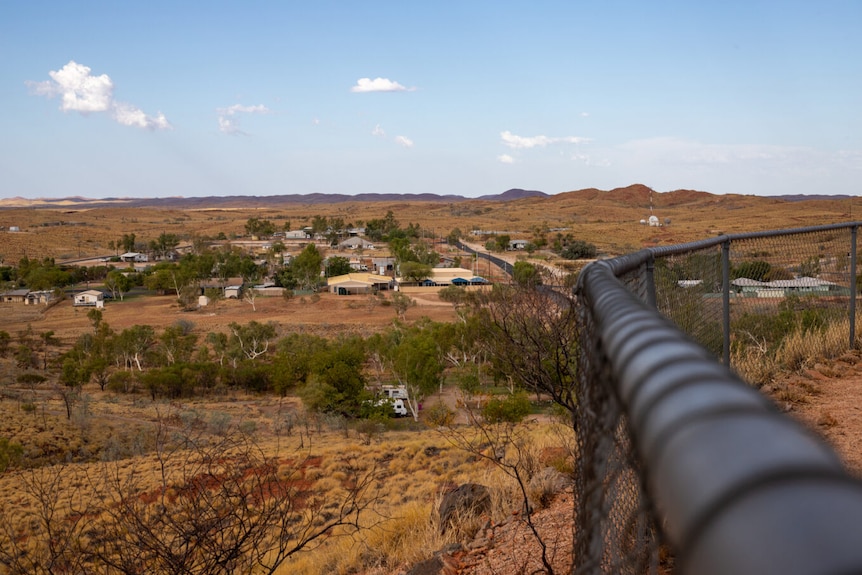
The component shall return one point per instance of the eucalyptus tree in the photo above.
(411, 354)
(118, 283)
(306, 266)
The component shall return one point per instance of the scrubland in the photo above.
(370, 491)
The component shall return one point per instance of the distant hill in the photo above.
(256, 201)
(633, 195)
(513, 194)
(805, 197)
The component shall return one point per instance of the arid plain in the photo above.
(419, 463)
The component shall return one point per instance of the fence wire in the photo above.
(740, 297)
(768, 274)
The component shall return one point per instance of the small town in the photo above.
(441, 288)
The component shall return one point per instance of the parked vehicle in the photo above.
(394, 395)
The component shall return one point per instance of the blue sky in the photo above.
(154, 99)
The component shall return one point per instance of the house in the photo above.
(780, 288)
(233, 292)
(15, 296)
(135, 257)
(37, 297)
(354, 243)
(268, 289)
(383, 266)
(518, 244)
(89, 298)
(358, 283)
(297, 235)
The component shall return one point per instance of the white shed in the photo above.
(89, 298)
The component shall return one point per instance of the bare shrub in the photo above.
(216, 504)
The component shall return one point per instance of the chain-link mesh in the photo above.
(734, 295)
(615, 527)
(778, 285)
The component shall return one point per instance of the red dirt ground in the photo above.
(328, 314)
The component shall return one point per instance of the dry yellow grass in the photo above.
(116, 440)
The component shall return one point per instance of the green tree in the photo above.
(578, 249)
(164, 244)
(291, 363)
(305, 268)
(118, 283)
(502, 242)
(41, 274)
(133, 344)
(336, 383)
(249, 271)
(413, 357)
(382, 229)
(526, 274)
(168, 276)
(454, 236)
(319, 225)
(508, 409)
(253, 339)
(218, 341)
(337, 266)
(402, 302)
(168, 381)
(176, 343)
(128, 242)
(415, 271)
(259, 227)
(199, 266)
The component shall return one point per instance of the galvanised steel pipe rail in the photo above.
(741, 489)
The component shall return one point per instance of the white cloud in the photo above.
(521, 142)
(404, 142)
(128, 115)
(378, 131)
(505, 159)
(379, 85)
(84, 93)
(588, 160)
(228, 118)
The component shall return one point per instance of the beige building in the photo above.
(358, 283)
(442, 277)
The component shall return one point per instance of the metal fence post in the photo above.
(852, 312)
(725, 301)
(650, 282)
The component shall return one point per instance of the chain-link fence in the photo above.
(748, 292)
(676, 452)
